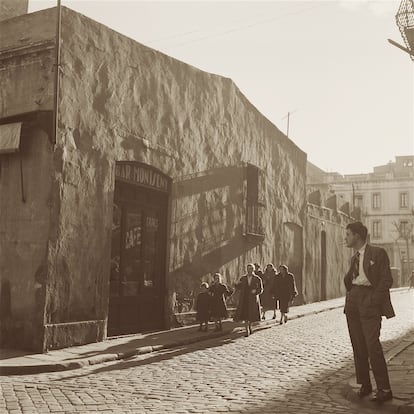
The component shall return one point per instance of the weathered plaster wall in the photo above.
(25, 188)
(27, 63)
(337, 254)
(12, 8)
(26, 222)
(123, 101)
(120, 100)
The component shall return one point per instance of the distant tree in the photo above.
(404, 231)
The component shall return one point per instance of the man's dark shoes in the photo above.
(364, 391)
(382, 396)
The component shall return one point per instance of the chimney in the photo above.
(12, 8)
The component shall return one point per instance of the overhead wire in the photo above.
(236, 29)
(173, 36)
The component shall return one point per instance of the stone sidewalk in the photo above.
(400, 360)
(20, 363)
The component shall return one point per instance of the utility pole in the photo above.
(288, 117)
(288, 121)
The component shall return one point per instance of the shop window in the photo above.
(376, 229)
(404, 200)
(376, 201)
(255, 201)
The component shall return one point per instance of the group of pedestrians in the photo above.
(368, 282)
(258, 292)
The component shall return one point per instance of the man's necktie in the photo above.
(356, 265)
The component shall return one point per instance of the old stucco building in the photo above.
(158, 174)
(384, 199)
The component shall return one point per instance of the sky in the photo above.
(350, 94)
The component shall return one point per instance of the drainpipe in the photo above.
(57, 72)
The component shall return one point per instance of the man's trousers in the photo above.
(364, 326)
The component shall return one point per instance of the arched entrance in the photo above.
(139, 244)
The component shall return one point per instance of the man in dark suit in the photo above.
(368, 299)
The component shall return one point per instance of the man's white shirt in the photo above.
(361, 279)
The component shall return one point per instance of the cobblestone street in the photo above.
(299, 367)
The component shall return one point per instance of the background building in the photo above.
(385, 201)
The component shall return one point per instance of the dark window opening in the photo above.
(403, 200)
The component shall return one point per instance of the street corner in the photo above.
(400, 404)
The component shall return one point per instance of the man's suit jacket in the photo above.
(377, 269)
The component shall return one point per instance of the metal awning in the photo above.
(10, 137)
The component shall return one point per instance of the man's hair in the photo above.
(358, 228)
(284, 267)
(204, 284)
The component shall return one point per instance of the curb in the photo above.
(393, 406)
(396, 405)
(99, 359)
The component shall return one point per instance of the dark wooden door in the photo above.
(137, 282)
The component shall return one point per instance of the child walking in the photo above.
(203, 307)
(219, 293)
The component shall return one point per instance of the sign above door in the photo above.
(142, 175)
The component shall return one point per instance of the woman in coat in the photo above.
(219, 292)
(248, 309)
(285, 291)
(267, 299)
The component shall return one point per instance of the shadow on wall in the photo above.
(212, 219)
(202, 182)
(187, 279)
(210, 234)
